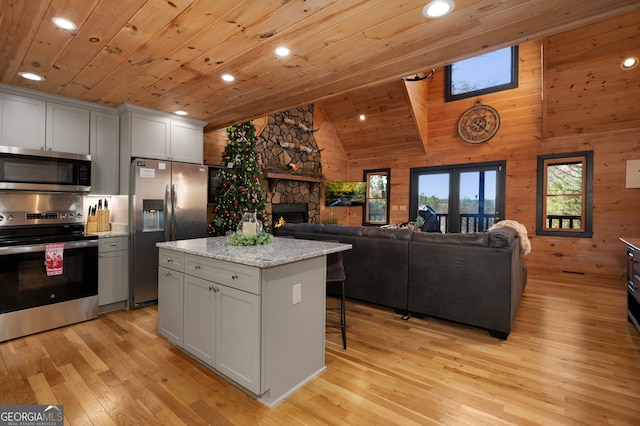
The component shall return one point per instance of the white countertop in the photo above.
(280, 252)
(108, 234)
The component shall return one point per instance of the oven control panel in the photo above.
(40, 218)
(40, 208)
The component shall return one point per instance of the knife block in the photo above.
(104, 220)
(92, 224)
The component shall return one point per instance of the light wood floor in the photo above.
(572, 359)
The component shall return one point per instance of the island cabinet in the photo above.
(171, 296)
(222, 320)
(250, 314)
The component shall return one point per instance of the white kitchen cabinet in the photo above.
(199, 317)
(171, 305)
(104, 148)
(38, 120)
(222, 322)
(67, 128)
(237, 336)
(260, 327)
(113, 273)
(187, 142)
(146, 133)
(22, 121)
(150, 136)
(171, 296)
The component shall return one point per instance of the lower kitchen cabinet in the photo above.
(199, 315)
(222, 329)
(261, 328)
(237, 336)
(113, 273)
(170, 305)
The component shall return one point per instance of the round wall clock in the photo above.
(478, 124)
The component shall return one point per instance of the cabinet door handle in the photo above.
(234, 276)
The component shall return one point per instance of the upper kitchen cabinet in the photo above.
(38, 120)
(146, 133)
(104, 144)
(67, 129)
(22, 121)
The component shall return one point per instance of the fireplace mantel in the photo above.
(286, 176)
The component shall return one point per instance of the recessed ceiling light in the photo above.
(31, 76)
(64, 23)
(282, 51)
(438, 8)
(228, 77)
(629, 63)
(180, 112)
(362, 117)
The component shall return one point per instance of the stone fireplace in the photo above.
(291, 166)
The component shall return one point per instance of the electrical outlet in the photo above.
(297, 293)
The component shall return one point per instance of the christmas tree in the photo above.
(240, 187)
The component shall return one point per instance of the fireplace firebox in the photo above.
(290, 213)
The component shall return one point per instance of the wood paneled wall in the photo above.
(335, 166)
(588, 99)
(589, 103)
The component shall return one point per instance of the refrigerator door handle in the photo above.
(168, 213)
(173, 212)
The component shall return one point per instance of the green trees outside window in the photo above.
(564, 201)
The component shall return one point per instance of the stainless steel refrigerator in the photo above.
(167, 201)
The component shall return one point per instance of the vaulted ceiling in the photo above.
(170, 54)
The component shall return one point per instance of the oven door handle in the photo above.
(35, 248)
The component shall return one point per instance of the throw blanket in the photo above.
(521, 230)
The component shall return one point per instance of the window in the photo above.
(565, 194)
(465, 197)
(488, 73)
(376, 206)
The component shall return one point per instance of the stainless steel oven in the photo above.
(35, 293)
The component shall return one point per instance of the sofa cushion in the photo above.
(388, 234)
(301, 227)
(470, 239)
(343, 230)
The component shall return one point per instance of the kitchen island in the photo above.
(253, 314)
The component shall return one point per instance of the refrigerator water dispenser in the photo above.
(152, 215)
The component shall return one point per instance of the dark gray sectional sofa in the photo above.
(475, 279)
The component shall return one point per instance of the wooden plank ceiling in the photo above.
(169, 55)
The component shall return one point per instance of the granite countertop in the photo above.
(280, 252)
(108, 234)
(633, 242)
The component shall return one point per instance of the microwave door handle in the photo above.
(167, 213)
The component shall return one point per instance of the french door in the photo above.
(466, 198)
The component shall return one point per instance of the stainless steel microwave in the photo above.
(34, 170)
